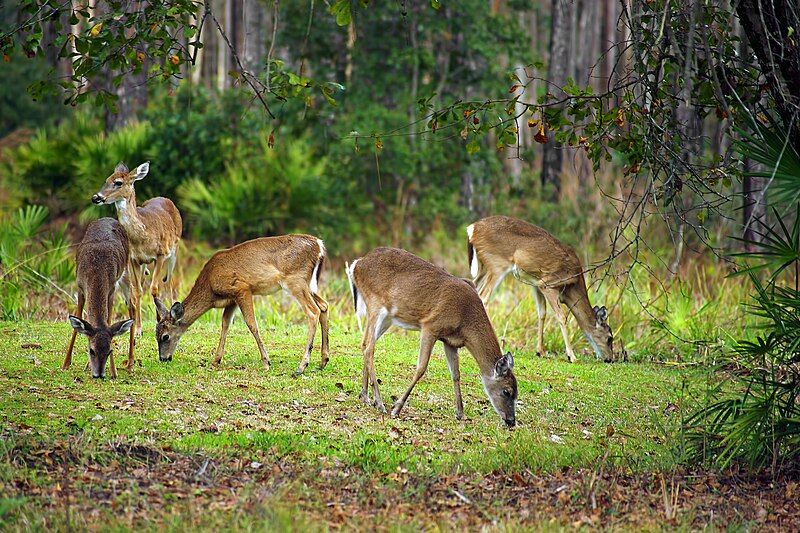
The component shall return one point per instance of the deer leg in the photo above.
(245, 302)
(367, 342)
(426, 342)
(156, 275)
(541, 310)
(551, 295)
(135, 291)
(303, 296)
(227, 317)
(455, 372)
(68, 359)
(172, 260)
(323, 324)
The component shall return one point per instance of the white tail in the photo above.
(499, 245)
(397, 288)
(358, 304)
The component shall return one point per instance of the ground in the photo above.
(182, 445)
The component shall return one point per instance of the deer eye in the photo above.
(610, 341)
(118, 184)
(164, 338)
(507, 393)
(91, 352)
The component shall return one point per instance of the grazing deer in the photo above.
(101, 260)
(499, 245)
(232, 277)
(153, 230)
(395, 287)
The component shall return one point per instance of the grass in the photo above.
(305, 453)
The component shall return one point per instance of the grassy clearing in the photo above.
(185, 445)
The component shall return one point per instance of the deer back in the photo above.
(101, 259)
(535, 251)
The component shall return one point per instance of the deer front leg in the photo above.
(541, 310)
(157, 268)
(68, 359)
(426, 342)
(552, 298)
(366, 341)
(455, 372)
(245, 302)
(227, 317)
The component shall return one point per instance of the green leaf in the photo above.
(341, 11)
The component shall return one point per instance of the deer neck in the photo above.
(482, 343)
(97, 308)
(129, 217)
(197, 303)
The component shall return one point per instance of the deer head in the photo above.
(501, 388)
(99, 341)
(169, 328)
(600, 336)
(119, 185)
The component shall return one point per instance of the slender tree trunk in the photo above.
(553, 158)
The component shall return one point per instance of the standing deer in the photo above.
(153, 230)
(101, 260)
(394, 287)
(232, 277)
(499, 245)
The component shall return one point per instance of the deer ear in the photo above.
(142, 170)
(121, 327)
(176, 311)
(161, 309)
(469, 282)
(121, 168)
(504, 365)
(601, 315)
(81, 326)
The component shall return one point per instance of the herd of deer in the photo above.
(389, 287)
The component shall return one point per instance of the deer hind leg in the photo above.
(552, 297)
(245, 302)
(134, 278)
(541, 310)
(489, 278)
(377, 324)
(426, 342)
(227, 317)
(455, 372)
(68, 358)
(169, 278)
(313, 312)
(157, 268)
(323, 324)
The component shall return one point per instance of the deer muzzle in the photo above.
(98, 199)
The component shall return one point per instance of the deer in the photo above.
(101, 262)
(390, 287)
(154, 230)
(233, 276)
(499, 245)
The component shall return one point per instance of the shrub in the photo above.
(263, 193)
(31, 260)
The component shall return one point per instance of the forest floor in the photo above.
(183, 445)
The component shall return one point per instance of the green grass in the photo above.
(191, 406)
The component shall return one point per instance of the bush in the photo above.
(265, 193)
(31, 260)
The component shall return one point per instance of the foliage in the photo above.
(754, 413)
(259, 193)
(31, 260)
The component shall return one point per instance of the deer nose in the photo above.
(97, 199)
(99, 376)
(511, 422)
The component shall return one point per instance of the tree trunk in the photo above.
(754, 208)
(553, 157)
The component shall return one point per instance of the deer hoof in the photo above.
(323, 363)
(364, 397)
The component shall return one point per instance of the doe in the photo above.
(101, 262)
(394, 287)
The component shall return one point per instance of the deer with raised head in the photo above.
(154, 230)
(101, 260)
(394, 287)
(499, 245)
(232, 277)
